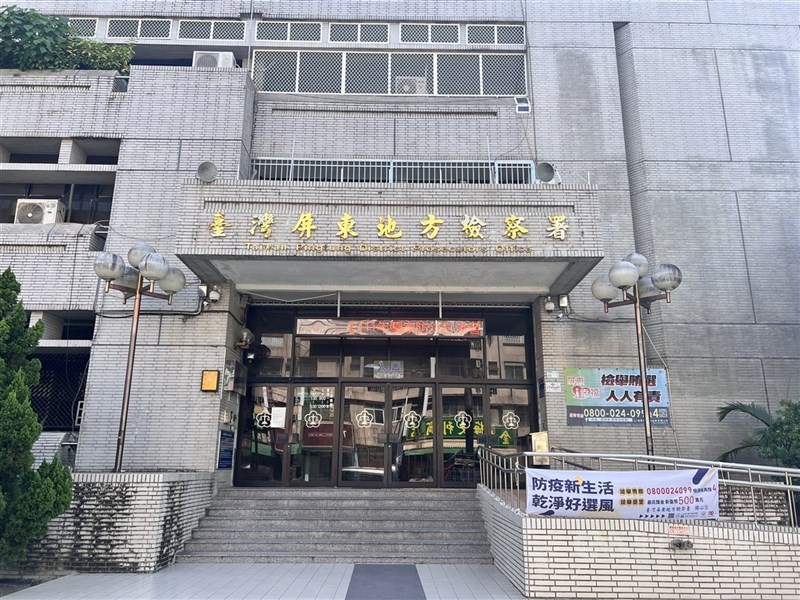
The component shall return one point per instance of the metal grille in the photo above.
(155, 29)
(444, 34)
(305, 32)
(343, 32)
(480, 172)
(123, 28)
(510, 34)
(275, 71)
(414, 34)
(194, 30)
(320, 73)
(503, 74)
(480, 34)
(61, 388)
(458, 75)
(83, 27)
(367, 73)
(412, 73)
(228, 30)
(375, 33)
(272, 30)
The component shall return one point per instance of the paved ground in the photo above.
(233, 581)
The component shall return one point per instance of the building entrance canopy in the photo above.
(503, 244)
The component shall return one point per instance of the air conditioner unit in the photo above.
(213, 60)
(410, 85)
(38, 212)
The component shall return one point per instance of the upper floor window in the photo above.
(495, 34)
(365, 33)
(429, 33)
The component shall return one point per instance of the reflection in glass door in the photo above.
(462, 430)
(312, 435)
(363, 434)
(262, 436)
(411, 434)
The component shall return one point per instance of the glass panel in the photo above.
(367, 73)
(344, 32)
(480, 34)
(194, 30)
(411, 434)
(275, 71)
(320, 73)
(462, 359)
(125, 28)
(414, 33)
(375, 33)
(444, 34)
(155, 29)
(513, 34)
(504, 75)
(312, 435)
(462, 430)
(412, 73)
(317, 357)
(228, 30)
(272, 31)
(366, 358)
(262, 438)
(416, 357)
(458, 74)
(363, 433)
(510, 418)
(305, 32)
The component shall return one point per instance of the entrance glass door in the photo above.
(362, 436)
(411, 443)
(312, 435)
(463, 429)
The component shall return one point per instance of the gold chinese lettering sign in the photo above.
(390, 327)
(507, 235)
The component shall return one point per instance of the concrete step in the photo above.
(331, 557)
(341, 493)
(387, 503)
(439, 513)
(462, 534)
(345, 548)
(315, 523)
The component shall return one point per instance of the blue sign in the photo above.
(225, 460)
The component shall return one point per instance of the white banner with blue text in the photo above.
(689, 494)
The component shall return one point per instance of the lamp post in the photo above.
(145, 264)
(632, 273)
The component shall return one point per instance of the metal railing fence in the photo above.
(480, 172)
(755, 493)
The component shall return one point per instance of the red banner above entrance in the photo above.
(390, 327)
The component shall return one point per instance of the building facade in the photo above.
(377, 251)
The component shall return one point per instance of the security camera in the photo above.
(681, 544)
(549, 305)
(214, 296)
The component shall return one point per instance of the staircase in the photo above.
(340, 525)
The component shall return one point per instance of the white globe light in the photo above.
(646, 289)
(138, 252)
(154, 266)
(667, 277)
(603, 289)
(109, 266)
(639, 261)
(173, 282)
(623, 275)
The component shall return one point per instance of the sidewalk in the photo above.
(276, 581)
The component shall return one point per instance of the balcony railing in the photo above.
(476, 172)
(747, 492)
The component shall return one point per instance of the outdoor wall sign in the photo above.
(225, 455)
(391, 327)
(606, 397)
(430, 233)
(687, 494)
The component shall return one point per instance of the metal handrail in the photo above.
(504, 475)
